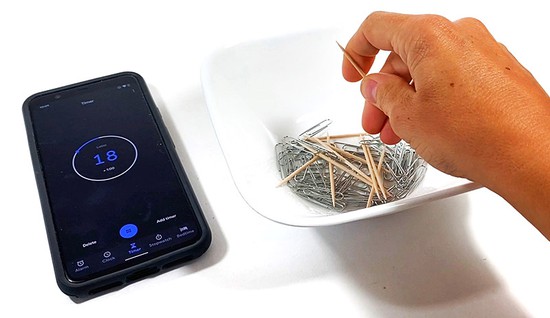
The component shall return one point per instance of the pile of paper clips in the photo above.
(347, 172)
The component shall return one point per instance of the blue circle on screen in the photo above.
(128, 230)
(104, 158)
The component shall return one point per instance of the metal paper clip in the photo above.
(342, 176)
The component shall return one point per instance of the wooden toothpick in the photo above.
(361, 176)
(352, 61)
(344, 136)
(293, 174)
(368, 157)
(331, 176)
(346, 162)
(379, 169)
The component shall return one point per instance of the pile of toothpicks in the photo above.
(347, 172)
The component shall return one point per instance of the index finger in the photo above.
(363, 62)
(387, 31)
(361, 50)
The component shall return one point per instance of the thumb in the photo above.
(389, 92)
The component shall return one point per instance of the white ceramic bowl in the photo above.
(258, 92)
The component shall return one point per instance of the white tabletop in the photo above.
(469, 255)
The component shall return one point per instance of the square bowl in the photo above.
(261, 91)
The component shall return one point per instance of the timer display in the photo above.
(105, 158)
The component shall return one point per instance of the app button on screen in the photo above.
(128, 230)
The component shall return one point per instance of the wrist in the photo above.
(521, 175)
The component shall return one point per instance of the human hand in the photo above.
(472, 110)
(469, 92)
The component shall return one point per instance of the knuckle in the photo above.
(433, 21)
(471, 22)
(434, 34)
(428, 31)
(374, 14)
(432, 26)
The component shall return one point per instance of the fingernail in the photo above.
(369, 90)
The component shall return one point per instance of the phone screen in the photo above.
(114, 192)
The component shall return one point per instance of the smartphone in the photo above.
(116, 201)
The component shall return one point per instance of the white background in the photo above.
(470, 255)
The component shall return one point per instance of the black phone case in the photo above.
(98, 286)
